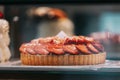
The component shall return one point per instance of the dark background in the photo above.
(84, 14)
(87, 18)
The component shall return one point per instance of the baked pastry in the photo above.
(76, 50)
(4, 40)
(111, 41)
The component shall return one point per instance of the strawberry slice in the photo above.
(92, 48)
(89, 39)
(70, 49)
(40, 49)
(30, 50)
(98, 46)
(82, 48)
(56, 49)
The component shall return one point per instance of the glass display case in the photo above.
(100, 21)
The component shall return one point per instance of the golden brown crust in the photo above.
(28, 59)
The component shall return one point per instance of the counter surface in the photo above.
(108, 66)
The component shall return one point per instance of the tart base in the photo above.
(28, 59)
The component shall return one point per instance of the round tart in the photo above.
(75, 50)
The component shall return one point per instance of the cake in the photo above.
(75, 50)
(4, 39)
(110, 41)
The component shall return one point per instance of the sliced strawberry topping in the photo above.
(83, 49)
(56, 49)
(30, 49)
(98, 46)
(40, 49)
(88, 39)
(70, 49)
(92, 48)
(74, 40)
(56, 45)
(21, 48)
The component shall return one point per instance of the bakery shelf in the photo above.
(14, 70)
(15, 65)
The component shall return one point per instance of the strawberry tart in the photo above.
(75, 50)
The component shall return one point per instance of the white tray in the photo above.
(108, 66)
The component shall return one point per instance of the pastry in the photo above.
(110, 41)
(75, 50)
(4, 39)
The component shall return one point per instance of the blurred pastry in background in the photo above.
(111, 41)
(103, 37)
(51, 21)
(4, 39)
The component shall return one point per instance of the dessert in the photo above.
(111, 41)
(75, 50)
(4, 40)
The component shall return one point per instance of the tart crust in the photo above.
(92, 59)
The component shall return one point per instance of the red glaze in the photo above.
(1, 15)
(55, 45)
